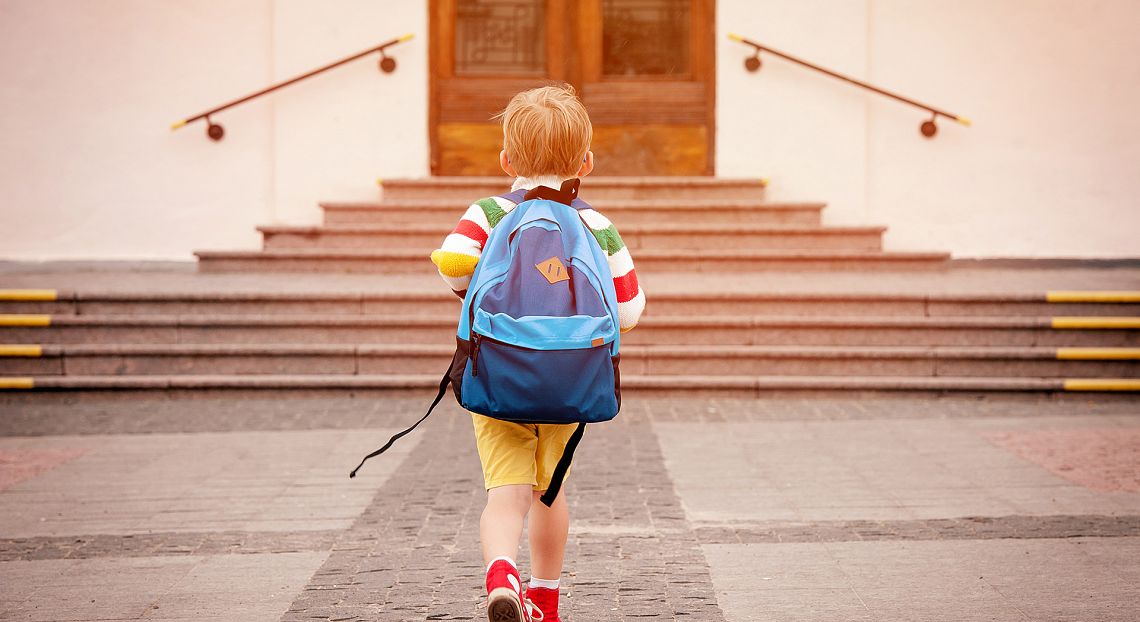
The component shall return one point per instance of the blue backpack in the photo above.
(539, 333)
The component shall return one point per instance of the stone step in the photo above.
(624, 213)
(640, 237)
(653, 330)
(471, 188)
(365, 359)
(438, 302)
(417, 261)
(424, 385)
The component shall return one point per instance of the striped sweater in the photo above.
(457, 256)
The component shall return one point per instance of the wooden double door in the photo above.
(645, 70)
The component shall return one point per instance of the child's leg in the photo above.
(547, 530)
(501, 525)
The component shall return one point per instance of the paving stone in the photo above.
(227, 587)
(877, 470)
(283, 481)
(930, 580)
(1105, 459)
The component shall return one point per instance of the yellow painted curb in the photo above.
(1096, 322)
(17, 383)
(28, 294)
(1102, 384)
(20, 350)
(1092, 296)
(1098, 354)
(24, 319)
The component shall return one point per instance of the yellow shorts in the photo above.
(519, 453)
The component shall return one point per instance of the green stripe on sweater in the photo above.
(491, 210)
(609, 239)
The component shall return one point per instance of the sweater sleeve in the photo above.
(630, 296)
(457, 255)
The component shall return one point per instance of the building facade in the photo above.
(90, 170)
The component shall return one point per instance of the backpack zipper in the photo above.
(475, 337)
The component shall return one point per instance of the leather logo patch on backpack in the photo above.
(553, 270)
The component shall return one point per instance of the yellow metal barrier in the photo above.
(1092, 296)
(1098, 354)
(17, 383)
(1102, 322)
(21, 350)
(26, 295)
(24, 319)
(1102, 384)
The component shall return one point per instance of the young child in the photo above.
(546, 140)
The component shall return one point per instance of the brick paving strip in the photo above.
(414, 554)
(588, 535)
(966, 528)
(160, 544)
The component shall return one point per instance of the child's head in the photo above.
(546, 132)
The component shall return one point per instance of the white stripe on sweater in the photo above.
(621, 262)
(629, 312)
(594, 219)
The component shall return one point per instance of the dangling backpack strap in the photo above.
(439, 396)
(559, 474)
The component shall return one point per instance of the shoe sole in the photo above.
(503, 605)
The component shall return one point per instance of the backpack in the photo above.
(538, 334)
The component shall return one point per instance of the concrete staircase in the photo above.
(700, 223)
(696, 338)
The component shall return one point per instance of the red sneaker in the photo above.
(505, 602)
(546, 600)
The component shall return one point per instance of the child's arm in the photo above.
(630, 296)
(460, 251)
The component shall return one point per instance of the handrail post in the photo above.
(928, 128)
(216, 132)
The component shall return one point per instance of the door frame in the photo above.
(573, 24)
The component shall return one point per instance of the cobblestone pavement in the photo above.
(209, 507)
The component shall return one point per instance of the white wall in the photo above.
(88, 90)
(803, 131)
(1053, 86)
(335, 134)
(1052, 163)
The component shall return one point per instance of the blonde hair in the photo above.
(546, 131)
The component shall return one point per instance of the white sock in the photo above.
(546, 583)
(509, 561)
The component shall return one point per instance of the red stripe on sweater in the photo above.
(469, 229)
(626, 286)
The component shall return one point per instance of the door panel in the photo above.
(642, 67)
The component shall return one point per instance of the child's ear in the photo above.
(505, 163)
(587, 165)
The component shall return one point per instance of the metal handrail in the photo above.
(928, 128)
(216, 131)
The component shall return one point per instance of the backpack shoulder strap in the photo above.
(514, 196)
